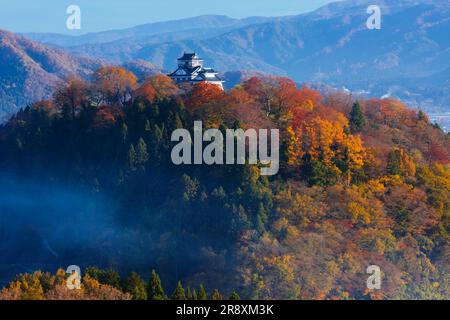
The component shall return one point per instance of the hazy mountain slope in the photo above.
(29, 71)
(177, 29)
(412, 41)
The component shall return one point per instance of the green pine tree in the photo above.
(141, 152)
(179, 294)
(261, 219)
(124, 132)
(421, 115)
(393, 164)
(188, 293)
(155, 290)
(131, 158)
(201, 293)
(108, 277)
(135, 285)
(234, 296)
(357, 119)
(147, 126)
(215, 295)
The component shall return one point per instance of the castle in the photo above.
(191, 70)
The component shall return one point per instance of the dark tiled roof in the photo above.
(189, 56)
(187, 71)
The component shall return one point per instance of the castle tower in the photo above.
(190, 70)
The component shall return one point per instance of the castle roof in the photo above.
(194, 72)
(189, 56)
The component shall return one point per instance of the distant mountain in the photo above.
(29, 71)
(200, 26)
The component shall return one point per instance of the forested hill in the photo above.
(360, 183)
(29, 71)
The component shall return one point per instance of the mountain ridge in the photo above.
(140, 32)
(29, 71)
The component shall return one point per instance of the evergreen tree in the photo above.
(156, 143)
(234, 296)
(147, 126)
(357, 119)
(108, 277)
(141, 152)
(131, 158)
(135, 285)
(393, 165)
(188, 293)
(215, 295)
(179, 294)
(155, 290)
(261, 219)
(421, 115)
(317, 173)
(124, 132)
(201, 293)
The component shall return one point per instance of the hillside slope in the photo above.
(156, 32)
(29, 71)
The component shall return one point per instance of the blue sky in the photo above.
(98, 15)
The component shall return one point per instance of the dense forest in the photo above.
(361, 182)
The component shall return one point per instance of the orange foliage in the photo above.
(73, 95)
(325, 141)
(203, 93)
(157, 87)
(107, 116)
(115, 84)
(238, 95)
(280, 96)
(146, 91)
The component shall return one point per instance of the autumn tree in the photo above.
(238, 95)
(114, 84)
(94, 290)
(72, 96)
(203, 93)
(146, 91)
(325, 151)
(278, 96)
(157, 87)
